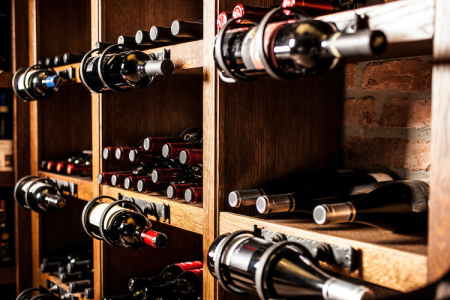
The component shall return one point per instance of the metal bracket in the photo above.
(161, 55)
(158, 210)
(340, 255)
(70, 187)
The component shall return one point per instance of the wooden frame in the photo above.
(243, 113)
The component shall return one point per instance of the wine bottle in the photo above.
(146, 185)
(72, 58)
(188, 30)
(159, 34)
(194, 195)
(170, 175)
(140, 155)
(288, 272)
(84, 169)
(58, 61)
(88, 293)
(328, 190)
(75, 276)
(123, 71)
(240, 10)
(79, 286)
(131, 182)
(155, 144)
(103, 45)
(62, 269)
(177, 190)
(84, 157)
(138, 170)
(323, 7)
(130, 41)
(69, 296)
(168, 274)
(41, 196)
(108, 152)
(188, 285)
(37, 84)
(123, 153)
(59, 264)
(142, 38)
(302, 48)
(79, 266)
(223, 18)
(127, 228)
(50, 62)
(395, 206)
(172, 150)
(105, 177)
(191, 157)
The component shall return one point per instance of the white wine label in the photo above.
(381, 177)
(97, 212)
(6, 155)
(22, 80)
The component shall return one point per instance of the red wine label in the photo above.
(381, 177)
(148, 237)
(199, 273)
(192, 265)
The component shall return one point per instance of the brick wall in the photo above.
(387, 115)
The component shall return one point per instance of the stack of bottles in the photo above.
(344, 196)
(61, 60)
(158, 36)
(312, 7)
(74, 164)
(171, 165)
(75, 270)
(181, 281)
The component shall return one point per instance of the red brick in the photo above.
(393, 153)
(402, 113)
(409, 74)
(350, 76)
(360, 112)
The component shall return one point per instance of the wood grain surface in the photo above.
(5, 79)
(439, 241)
(391, 260)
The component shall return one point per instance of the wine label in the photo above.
(96, 213)
(199, 273)
(192, 265)
(381, 177)
(6, 155)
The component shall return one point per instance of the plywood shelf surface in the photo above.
(5, 80)
(84, 184)
(183, 215)
(7, 276)
(391, 260)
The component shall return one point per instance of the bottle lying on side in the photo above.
(299, 181)
(188, 285)
(400, 206)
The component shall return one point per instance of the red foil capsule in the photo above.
(78, 169)
(108, 152)
(155, 239)
(146, 185)
(177, 190)
(131, 182)
(198, 272)
(167, 175)
(191, 157)
(192, 265)
(139, 155)
(123, 152)
(155, 144)
(240, 11)
(194, 195)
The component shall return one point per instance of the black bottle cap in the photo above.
(58, 61)
(89, 293)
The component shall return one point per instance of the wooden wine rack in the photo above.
(253, 133)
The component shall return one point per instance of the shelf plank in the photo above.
(5, 80)
(185, 56)
(391, 260)
(56, 281)
(76, 66)
(7, 276)
(84, 184)
(407, 24)
(7, 179)
(182, 214)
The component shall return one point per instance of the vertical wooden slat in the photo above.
(439, 241)
(21, 136)
(210, 161)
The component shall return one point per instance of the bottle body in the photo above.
(36, 84)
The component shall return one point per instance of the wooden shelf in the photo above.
(76, 66)
(84, 184)
(407, 24)
(45, 276)
(182, 214)
(391, 260)
(5, 80)
(7, 179)
(7, 276)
